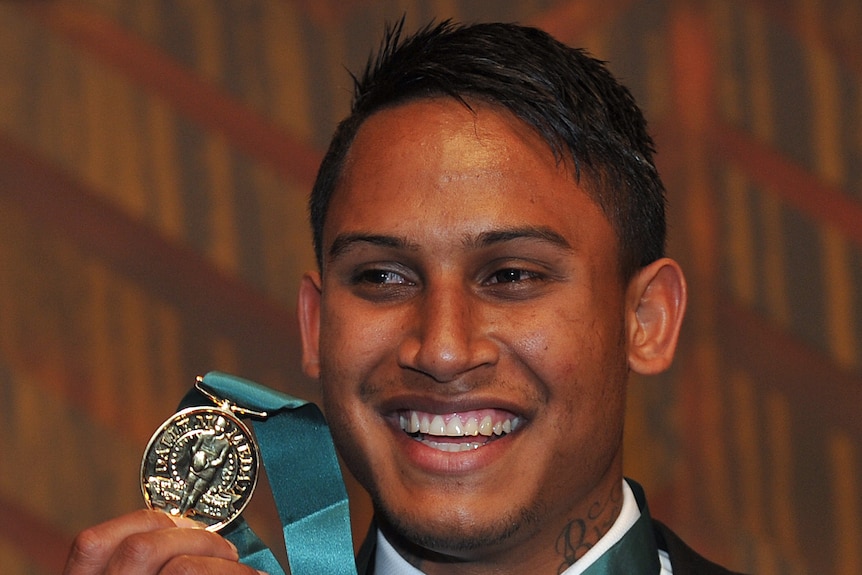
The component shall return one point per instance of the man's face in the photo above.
(469, 331)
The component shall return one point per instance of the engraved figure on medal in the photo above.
(209, 456)
(201, 463)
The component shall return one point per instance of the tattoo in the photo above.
(572, 543)
(579, 535)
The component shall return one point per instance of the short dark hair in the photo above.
(567, 96)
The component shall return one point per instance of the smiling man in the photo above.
(489, 228)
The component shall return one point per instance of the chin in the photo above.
(455, 534)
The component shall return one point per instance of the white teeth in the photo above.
(472, 427)
(438, 427)
(453, 447)
(453, 428)
(486, 428)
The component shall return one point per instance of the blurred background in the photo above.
(155, 157)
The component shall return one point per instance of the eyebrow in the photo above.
(540, 233)
(345, 242)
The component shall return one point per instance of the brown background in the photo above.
(155, 156)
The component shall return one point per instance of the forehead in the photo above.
(435, 165)
(442, 126)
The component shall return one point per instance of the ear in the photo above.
(656, 305)
(308, 313)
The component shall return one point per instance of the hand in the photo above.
(151, 542)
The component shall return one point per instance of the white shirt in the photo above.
(387, 561)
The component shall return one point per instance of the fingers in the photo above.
(151, 552)
(94, 546)
(149, 542)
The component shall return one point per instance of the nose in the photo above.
(449, 336)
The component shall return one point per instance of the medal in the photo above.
(202, 463)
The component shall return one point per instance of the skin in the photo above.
(465, 269)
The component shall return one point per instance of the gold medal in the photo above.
(202, 463)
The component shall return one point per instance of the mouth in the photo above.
(457, 432)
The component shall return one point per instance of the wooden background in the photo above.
(155, 157)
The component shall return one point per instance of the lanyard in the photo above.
(304, 475)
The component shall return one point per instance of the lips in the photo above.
(456, 432)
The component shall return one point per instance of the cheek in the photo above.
(352, 338)
(348, 434)
(346, 363)
(555, 347)
(578, 360)
(355, 348)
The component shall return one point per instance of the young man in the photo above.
(489, 228)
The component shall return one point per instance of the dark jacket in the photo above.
(683, 559)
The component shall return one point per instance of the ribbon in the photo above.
(304, 475)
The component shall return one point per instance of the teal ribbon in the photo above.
(637, 552)
(304, 476)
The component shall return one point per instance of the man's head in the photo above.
(473, 321)
(569, 98)
(220, 425)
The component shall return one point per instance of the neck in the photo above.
(580, 534)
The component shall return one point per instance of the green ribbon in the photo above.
(636, 553)
(304, 476)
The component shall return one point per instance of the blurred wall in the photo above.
(155, 157)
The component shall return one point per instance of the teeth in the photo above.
(472, 427)
(457, 426)
(438, 427)
(453, 447)
(453, 428)
(486, 428)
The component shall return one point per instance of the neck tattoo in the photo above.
(579, 535)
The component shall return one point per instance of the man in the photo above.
(489, 228)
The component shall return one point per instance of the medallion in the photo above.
(202, 463)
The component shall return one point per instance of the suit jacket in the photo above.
(683, 559)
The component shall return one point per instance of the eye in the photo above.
(511, 275)
(380, 277)
(381, 285)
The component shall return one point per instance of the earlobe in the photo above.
(308, 313)
(657, 299)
